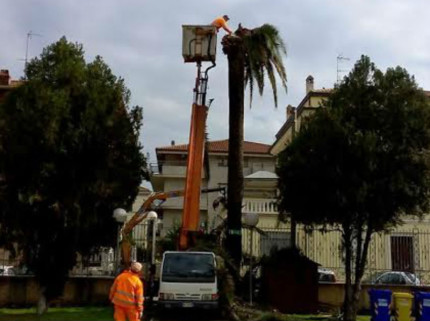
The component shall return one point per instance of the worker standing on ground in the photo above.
(126, 294)
(221, 22)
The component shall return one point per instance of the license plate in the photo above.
(187, 305)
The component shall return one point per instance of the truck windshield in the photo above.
(188, 267)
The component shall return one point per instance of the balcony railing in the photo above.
(263, 206)
(168, 167)
(171, 168)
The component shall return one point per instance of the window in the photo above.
(384, 279)
(402, 253)
(222, 162)
(273, 241)
(397, 279)
(178, 267)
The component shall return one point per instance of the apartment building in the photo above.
(168, 174)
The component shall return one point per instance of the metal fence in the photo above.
(405, 249)
(103, 261)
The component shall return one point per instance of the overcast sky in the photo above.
(141, 42)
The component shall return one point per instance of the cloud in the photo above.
(141, 41)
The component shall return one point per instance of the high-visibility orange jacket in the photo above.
(221, 23)
(127, 291)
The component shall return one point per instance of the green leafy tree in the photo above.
(360, 163)
(251, 54)
(69, 155)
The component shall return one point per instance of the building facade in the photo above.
(168, 174)
(6, 83)
(405, 248)
(296, 115)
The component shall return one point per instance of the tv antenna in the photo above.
(30, 34)
(339, 60)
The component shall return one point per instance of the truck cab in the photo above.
(188, 280)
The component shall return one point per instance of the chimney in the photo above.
(4, 77)
(309, 84)
(290, 111)
(172, 143)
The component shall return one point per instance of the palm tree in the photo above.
(252, 54)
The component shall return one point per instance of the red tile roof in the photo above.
(220, 146)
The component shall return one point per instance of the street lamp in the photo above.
(250, 219)
(120, 216)
(153, 217)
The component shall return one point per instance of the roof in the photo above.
(144, 190)
(262, 175)
(12, 84)
(220, 146)
(316, 92)
(324, 92)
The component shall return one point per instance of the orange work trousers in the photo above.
(124, 314)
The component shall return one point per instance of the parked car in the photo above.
(397, 277)
(7, 270)
(326, 275)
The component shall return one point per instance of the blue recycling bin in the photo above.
(422, 306)
(380, 304)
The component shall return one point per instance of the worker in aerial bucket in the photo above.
(126, 294)
(221, 22)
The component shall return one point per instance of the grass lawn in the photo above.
(309, 317)
(59, 314)
(106, 314)
(304, 317)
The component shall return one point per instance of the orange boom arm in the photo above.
(191, 211)
(138, 217)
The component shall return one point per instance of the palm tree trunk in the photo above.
(233, 47)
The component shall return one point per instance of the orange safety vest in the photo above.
(127, 291)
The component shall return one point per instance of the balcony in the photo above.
(161, 171)
(260, 205)
(178, 203)
(170, 168)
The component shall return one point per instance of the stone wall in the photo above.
(330, 295)
(24, 291)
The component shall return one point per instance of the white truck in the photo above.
(188, 280)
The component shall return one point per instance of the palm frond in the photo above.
(272, 79)
(249, 79)
(264, 50)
